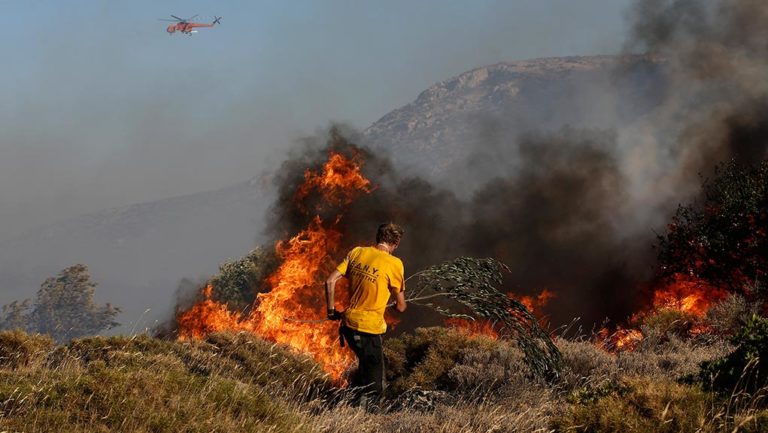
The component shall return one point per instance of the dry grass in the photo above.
(442, 381)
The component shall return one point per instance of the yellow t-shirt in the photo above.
(372, 274)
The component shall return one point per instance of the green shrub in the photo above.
(744, 369)
(238, 281)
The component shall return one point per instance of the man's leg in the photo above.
(355, 343)
(370, 357)
(372, 364)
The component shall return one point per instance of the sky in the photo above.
(101, 107)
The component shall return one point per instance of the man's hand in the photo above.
(333, 314)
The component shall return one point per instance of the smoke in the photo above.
(553, 220)
(574, 209)
(718, 60)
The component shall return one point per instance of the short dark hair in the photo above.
(389, 233)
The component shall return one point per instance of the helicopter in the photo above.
(186, 26)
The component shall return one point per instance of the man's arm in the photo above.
(400, 305)
(330, 287)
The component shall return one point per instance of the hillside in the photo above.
(449, 382)
(485, 108)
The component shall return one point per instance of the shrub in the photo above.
(452, 360)
(743, 369)
(586, 365)
(638, 406)
(663, 324)
(721, 238)
(19, 349)
(238, 281)
(729, 315)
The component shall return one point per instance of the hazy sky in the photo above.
(101, 107)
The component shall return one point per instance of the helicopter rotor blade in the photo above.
(179, 19)
(170, 21)
(190, 19)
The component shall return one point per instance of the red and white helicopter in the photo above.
(187, 26)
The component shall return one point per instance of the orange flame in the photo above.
(684, 294)
(338, 184)
(535, 303)
(621, 340)
(473, 328)
(291, 312)
(209, 316)
(688, 295)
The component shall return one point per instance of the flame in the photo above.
(684, 294)
(473, 328)
(621, 340)
(535, 303)
(688, 295)
(338, 184)
(292, 310)
(209, 316)
(297, 295)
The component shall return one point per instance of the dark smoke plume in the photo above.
(553, 221)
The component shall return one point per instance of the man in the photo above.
(373, 272)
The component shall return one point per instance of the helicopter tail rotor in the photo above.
(216, 20)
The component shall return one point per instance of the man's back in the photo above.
(372, 275)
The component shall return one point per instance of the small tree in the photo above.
(63, 308)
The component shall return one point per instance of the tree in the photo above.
(722, 237)
(63, 308)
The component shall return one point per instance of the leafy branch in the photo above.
(472, 283)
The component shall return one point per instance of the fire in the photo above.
(535, 303)
(209, 316)
(297, 295)
(291, 311)
(684, 294)
(338, 184)
(688, 295)
(473, 328)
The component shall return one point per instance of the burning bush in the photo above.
(238, 281)
(722, 237)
